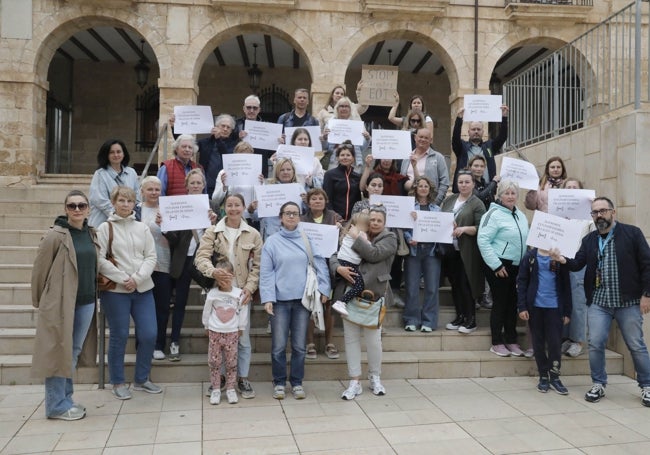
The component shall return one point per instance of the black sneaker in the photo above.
(557, 385)
(468, 326)
(245, 389)
(596, 392)
(455, 324)
(542, 385)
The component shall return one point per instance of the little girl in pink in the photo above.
(224, 321)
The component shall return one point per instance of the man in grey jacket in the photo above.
(426, 161)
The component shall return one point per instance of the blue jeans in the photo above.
(58, 390)
(289, 316)
(162, 291)
(576, 330)
(427, 265)
(119, 307)
(630, 323)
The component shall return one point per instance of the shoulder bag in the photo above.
(365, 311)
(204, 281)
(103, 282)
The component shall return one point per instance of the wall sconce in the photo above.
(142, 69)
(254, 73)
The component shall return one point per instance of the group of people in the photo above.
(116, 233)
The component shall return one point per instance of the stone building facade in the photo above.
(327, 35)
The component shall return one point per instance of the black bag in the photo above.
(200, 279)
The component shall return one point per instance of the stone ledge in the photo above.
(266, 6)
(526, 13)
(397, 9)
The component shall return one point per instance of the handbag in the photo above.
(204, 281)
(402, 248)
(366, 312)
(311, 295)
(103, 282)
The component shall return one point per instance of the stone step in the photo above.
(18, 254)
(19, 237)
(18, 316)
(15, 273)
(15, 369)
(17, 294)
(31, 221)
(28, 207)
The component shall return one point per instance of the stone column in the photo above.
(173, 93)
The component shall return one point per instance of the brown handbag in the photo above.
(104, 283)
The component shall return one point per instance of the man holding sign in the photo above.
(617, 286)
(252, 112)
(466, 150)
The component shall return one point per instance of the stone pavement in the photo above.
(418, 416)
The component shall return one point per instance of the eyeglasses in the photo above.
(464, 172)
(252, 108)
(80, 206)
(415, 120)
(600, 212)
(225, 126)
(379, 207)
(291, 214)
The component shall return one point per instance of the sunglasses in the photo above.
(81, 206)
(415, 120)
(252, 108)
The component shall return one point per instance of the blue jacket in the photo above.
(408, 233)
(528, 282)
(490, 148)
(632, 259)
(502, 235)
(287, 119)
(283, 271)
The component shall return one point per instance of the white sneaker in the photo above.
(375, 385)
(158, 355)
(231, 394)
(215, 396)
(353, 391)
(174, 352)
(574, 350)
(340, 307)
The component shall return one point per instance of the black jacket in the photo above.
(342, 187)
(528, 282)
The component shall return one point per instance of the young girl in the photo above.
(224, 321)
(544, 300)
(349, 258)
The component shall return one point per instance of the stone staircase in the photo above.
(25, 214)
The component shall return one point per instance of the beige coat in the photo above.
(54, 292)
(247, 249)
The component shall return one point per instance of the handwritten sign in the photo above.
(433, 227)
(271, 197)
(520, 171)
(345, 130)
(193, 119)
(379, 85)
(324, 237)
(391, 144)
(550, 231)
(571, 204)
(398, 209)
(262, 135)
(184, 212)
(482, 108)
(242, 168)
(314, 135)
(302, 157)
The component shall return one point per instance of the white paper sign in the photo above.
(302, 157)
(391, 144)
(262, 135)
(242, 168)
(324, 237)
(433, 227)
(314, 135)
(184, 212)
(482, 108)
(193, 119)
(398, 209)
(571, 204)
(520, 171)
(550, 231)
(345, 130)
(271, 197)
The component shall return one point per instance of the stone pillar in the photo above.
(172, 93)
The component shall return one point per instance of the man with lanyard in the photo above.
(299, 115)
(466, 150)
(252, 112)
(617, 286)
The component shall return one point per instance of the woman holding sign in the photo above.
(416, 105)
(554, 176)
(462, 264)
(421, 261)
(342, 183)
(502, 241)
(344, 111)
(314, 179)
(336, 94)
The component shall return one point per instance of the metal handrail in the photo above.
(162, 135)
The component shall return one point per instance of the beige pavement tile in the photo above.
(132, 421)
(20, 389)
(173, 434)
(144, 449)
(186, 448)
(129, 437)
(634, 448)
(355, 451)
(143, 402)
(348, 440)
(178, 418)
(439, 387)
(342, 408)
(500, 427)
(31, 444)
(73, 440)
(46, 426)
(474, 406)
(523, 442)
(532, 402)
(634, 419)
(97, 451)
(183, 398)
(450, 447)
(259, 428)
(502, 384)
(14, 400)
(424, 433)
(233, 414)
(403, 418)
(385, 404)
(10, 428)
(329, 424)
(8, 414)
(251, 446)
(559, 452)
(4, 442)
(598, 435)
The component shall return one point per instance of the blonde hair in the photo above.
(124, 192)
(278, 165)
